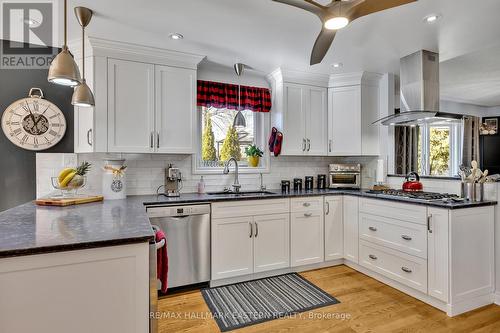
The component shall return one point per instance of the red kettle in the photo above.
(412, 183)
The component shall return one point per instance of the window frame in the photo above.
(261, 133)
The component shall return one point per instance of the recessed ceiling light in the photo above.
(338, 65)
(432, 18)
(176, 36)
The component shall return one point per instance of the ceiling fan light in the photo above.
(63, 69)
(336, 23)
(83, 96)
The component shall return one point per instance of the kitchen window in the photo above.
(227, 125)
(439, 148)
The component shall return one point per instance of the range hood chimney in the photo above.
(419, 80)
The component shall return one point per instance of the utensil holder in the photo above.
(473, 191)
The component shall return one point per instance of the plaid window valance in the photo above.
(225, 95)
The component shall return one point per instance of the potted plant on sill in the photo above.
(253, 154)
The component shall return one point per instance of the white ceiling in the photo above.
(266, 35)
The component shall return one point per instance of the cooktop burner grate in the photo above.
(428, 196)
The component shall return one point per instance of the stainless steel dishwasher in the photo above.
(187, 229)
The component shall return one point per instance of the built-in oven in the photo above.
(345, 176)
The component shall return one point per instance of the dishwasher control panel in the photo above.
(178, 210)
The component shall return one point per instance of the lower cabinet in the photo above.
(438, 253)
(307, 231)
(243, 245)
(334, 228)
(351, 222)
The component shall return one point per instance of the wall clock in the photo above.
(33, 123)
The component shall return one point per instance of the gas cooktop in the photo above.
(427, 196)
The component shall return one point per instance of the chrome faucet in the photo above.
(236, 185)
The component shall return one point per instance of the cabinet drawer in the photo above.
(395, 210)
(401, 267)
(306, 204)
(403, 236)
(250, 207)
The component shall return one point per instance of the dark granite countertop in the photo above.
(29, 229)
(189, 198)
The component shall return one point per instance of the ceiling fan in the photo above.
(337, 15)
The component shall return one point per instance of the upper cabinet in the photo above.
(326, 115)
(145, 100)
(353, 106)
(300, 111)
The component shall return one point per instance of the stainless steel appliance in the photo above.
(345, 176)
(188, 241)
(173, 181)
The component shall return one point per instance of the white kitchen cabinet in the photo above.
(84, 128)
(271, 242)
(353, 105)
(131, 106)
(334, 228)
(306, 231)
(351, 222)
(175, 111)
(232, 247)
(438, 253)
(300, 111)
(250, 237)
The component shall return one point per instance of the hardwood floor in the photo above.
(369, 306)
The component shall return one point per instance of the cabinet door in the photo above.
(232, 247)
(84, 125)
(316, 121)
(294, 120)
(334, 228)
(130, 106)
(307, 238)
(271, 242)
(438, 253)
(175, 109)
(344, 120)
(351, 236)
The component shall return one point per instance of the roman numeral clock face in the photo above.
(33, 123)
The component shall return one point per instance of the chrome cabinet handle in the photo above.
(158, 140)
(308, 214)
(303, 144)
(306, 204)
(89, 137)
(256, 230)
(327, 208)
(151, 140)
(373, 257)
(429, 218)
(372, 228)
(308, 144)
(251, 230)
(408, 238)
(330, 146)
(405, 269)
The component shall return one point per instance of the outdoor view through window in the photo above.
(222, 139)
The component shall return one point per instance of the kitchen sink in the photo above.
(241, 193)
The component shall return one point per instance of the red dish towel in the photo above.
(162, 261)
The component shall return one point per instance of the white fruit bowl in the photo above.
(69, 191)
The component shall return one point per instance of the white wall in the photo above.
(209, 71)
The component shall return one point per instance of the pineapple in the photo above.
(81, 171)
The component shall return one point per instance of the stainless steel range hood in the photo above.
(419, 80)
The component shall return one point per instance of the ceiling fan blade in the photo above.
(307, 5)
(372, 6)
(322, 45)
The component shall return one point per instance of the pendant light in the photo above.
(63, 69)
(239, 119)
(83, 96)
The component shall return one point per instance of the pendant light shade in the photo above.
(239, 120)
(83, 96)
(63, 69)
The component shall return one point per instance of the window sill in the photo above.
(241, 170)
